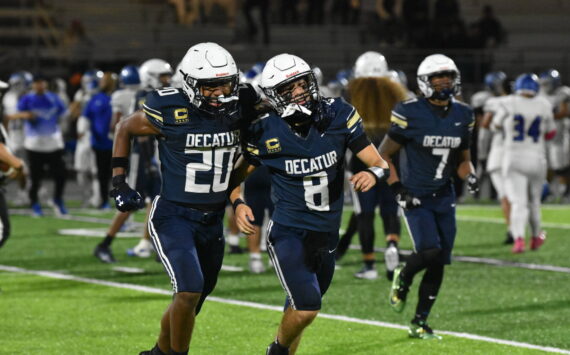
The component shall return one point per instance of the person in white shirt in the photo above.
(526, 121)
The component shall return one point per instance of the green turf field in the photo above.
(40, 314)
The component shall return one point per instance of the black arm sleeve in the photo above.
(359, 143)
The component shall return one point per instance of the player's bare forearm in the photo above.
(388, 148)
(377, 169)
(134, 125)
(465, 167)
(241, 171)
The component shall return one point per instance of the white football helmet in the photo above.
(437, 64)
(282, 70)
(209, 64)
(150, 72)
(371, 64)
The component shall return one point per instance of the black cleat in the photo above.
(104, 254)
(509, 239)
(276, 349)
(236, 249)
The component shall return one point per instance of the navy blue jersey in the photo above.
(306, 172)
(430, 142)
(196, 151)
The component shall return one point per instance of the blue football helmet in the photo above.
(494, 81)
(527, 83)
(344, 76)
(130, 75)
(550, 80)
(21, 80)
(254, 72)
(90, 80)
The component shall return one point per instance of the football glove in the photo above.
(126, 199)
(472, 183)
(404, 198)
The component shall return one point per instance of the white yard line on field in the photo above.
(57, 275)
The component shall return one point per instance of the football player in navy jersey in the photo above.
(432, 134)
(303, 142)
(197, 129)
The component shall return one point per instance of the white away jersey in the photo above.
(524, 122)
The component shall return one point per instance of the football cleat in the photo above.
(143, 249)
(420, 330)
(509, 239)
(276, 349)
(537, 241)
(236, 249)
(398, 291)
(518, 246)
(37, 210)
(104, 254)
(59, 207)
(367, 273)
(256, 265)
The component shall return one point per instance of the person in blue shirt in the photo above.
(99, 113)
(432, 134)
(43, 141)
(303, 142)
(197, 129)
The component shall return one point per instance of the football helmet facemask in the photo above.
(433, 65)
(283, 75)
(208, 68)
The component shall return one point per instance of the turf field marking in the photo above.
(56, 275)
(487, 261)
(96, 233)
(502, 221)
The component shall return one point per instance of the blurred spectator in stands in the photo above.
(491, 30)
(417, 22)
(288, 11)
(446, 11)
(43, 141)
(263, 7)
(345, 12)
(315, 12)
(99, 113)
(391, 24)
(187, 11)
(369, 21)
(76, 44)
(211, 11)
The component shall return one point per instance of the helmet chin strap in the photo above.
(228, 99)
(291, 109)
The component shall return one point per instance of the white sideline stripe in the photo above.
(486, 261)
(147, 289)
(502, 221)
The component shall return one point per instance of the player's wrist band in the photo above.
(237, 202)
(379, 173)
(119, 162)
(118, 180)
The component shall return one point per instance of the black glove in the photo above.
(126, 199)
(404, 198)
(472, 183)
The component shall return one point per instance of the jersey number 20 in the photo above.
(210, 160)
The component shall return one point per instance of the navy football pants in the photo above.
(304, 262)
(432, 225)
(190, 244)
